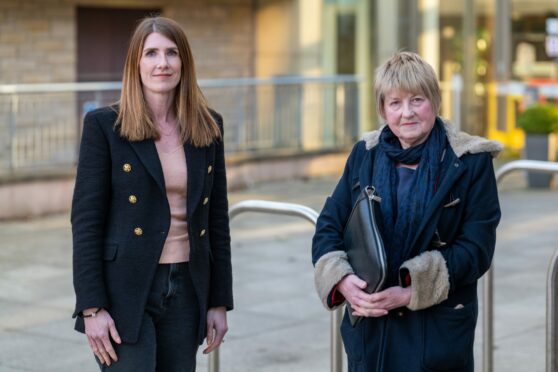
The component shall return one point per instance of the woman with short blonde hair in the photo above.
(407, 71)
(439, 213)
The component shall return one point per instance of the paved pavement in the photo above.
(278, 324)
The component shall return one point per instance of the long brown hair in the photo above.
(195, 122)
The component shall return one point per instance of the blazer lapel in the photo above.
(197, 170)
(147, 153)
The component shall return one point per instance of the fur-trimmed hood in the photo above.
(460, 142)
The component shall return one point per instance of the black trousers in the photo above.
(168, 337)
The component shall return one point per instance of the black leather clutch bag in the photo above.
(364, 245)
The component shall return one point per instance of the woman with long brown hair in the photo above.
(151, 261)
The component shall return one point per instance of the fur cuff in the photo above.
(429, 279)
(330, 269)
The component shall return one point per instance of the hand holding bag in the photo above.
(364, 244)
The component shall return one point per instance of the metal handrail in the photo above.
(297, 210)
(203, 83)
(265, 206)
(488, 285)
(526, 165)
(488, 303)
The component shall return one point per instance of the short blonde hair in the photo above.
(196, 124)
(406, 71)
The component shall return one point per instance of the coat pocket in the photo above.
(449, 334)
(353, 339)
(110, 251)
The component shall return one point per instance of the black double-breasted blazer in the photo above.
(121, 218)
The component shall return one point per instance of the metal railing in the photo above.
(488, 284)
(40, 124)
(488, 304)
(296, 210)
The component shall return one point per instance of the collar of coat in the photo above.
(460, 142)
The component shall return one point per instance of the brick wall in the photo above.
(37, 37)
(38, 45)
(37, 41)
(221, 34)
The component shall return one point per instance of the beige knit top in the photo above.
(177, 245)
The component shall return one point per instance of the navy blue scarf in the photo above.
(401, 219)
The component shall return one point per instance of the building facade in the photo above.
(476, 47)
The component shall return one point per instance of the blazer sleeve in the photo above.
(220, 240)
(90, 205)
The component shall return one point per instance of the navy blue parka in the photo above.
(454, 246)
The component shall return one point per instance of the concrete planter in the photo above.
(539, 147)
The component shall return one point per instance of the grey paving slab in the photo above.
(278, 324)
(297, 347)
(30, 351)
(526, 349)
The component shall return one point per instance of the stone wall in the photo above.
(221, 34)
(42, 197)
(38, 45)
(38, 37)
(37, 41)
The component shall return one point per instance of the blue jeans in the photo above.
(168, 337)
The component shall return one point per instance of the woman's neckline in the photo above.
(170, 152)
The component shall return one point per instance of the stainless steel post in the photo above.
(487, 323)
(488, 306)
(336, 352)
(551, 314)
(12, 135)
(297, 210)
(213, 361)
(488, 295)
